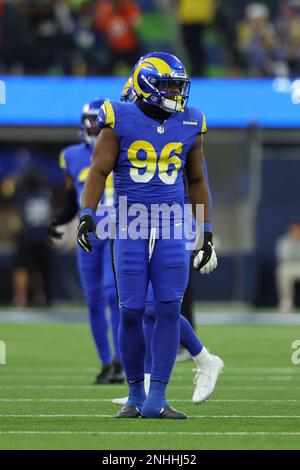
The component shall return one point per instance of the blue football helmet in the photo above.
(89, 128)
(161, 80)
(128, 92)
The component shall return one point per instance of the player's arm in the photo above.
(205, 259)
(197, 187)
(70, 208)
(104, 158)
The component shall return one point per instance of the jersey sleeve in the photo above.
(107, 115)
(204, 126)
(63, 161)
(197, 116)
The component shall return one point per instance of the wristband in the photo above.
(207, 227)
(87, 211)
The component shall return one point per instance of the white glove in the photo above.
(205, 260)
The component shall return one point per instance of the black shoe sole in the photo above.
(105, 381)
(168, 413)
(115, 380)
(171, 413)
(128, 412)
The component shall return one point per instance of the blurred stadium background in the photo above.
(244, 60)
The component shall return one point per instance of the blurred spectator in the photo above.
(31, 277)
(90, 37)
(16, 39)
(288, 267)
(118, 21)
(53, 24)
(194, 17)
(90, 56)
(288, 31)
(257, 42)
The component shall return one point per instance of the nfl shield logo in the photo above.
(160, 129)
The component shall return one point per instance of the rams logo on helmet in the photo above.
(128, 92)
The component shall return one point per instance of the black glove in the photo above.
(86, 226)
(52, 231)
(67, 213)
(205, 260)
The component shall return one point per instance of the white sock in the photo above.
(203, 359)
(147, 383)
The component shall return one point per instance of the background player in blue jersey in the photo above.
(151, 145)
(208, 366)
(96, 269)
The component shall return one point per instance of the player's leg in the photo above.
(188, 338)
(91, 274)
(169, 276)
(187, 301)
(149, 322)
(208, 366)
(112, 301)
(131, 266)
(187, 312)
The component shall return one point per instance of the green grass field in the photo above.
(47, 402)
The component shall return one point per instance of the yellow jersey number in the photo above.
(151, 162)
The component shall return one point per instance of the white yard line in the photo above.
(58, 400)
(237, 378)
(113, 387)
(150, 433)
(39, 416)
(109, 400)
(181, 378)
(22, 369)
(247, 369)
(55, 416)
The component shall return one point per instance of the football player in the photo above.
(208, 366)
(96, 269)
(151, 145)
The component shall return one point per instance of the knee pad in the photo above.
(150, 315)
(131, 316)
(133, 302)
(168, 310)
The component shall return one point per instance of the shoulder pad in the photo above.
(196, 114)
(62, 160)
(204, 127)
(106, 116)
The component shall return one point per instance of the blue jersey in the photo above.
(75, 160)
(152, 154)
